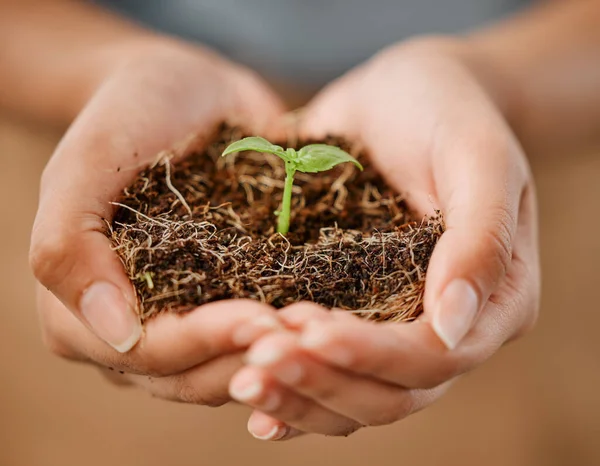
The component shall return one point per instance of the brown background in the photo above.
(535, 403)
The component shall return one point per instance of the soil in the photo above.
(203, 230)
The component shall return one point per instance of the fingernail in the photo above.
(299, 316)
(243, 389)
(264, 354)
(455, 312)
(276, 433)
(253, 391)
(289, 373)
(270, 402)
(251, 331)
(110, 317)
(316, 338)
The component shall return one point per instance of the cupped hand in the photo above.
(436, 130)
(161, 95)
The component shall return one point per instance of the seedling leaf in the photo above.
(256, 144)
(313, 158)
(316, 158)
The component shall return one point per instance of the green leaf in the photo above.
(256, 144)
(316, 158)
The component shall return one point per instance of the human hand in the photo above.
(162, 94)
(436, 130)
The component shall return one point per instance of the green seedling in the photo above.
(313, 158)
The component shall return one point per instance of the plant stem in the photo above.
(283, 224)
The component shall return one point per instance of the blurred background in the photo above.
(535, 403)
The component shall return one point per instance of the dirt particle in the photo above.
(353, 242)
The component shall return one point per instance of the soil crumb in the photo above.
(203, 229)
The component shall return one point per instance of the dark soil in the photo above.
(353, 243)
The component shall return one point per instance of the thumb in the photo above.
(480, 193)
(334, 110)
(70, 253)
(71, 256)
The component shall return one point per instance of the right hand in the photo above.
(164, 93)
(422, 104)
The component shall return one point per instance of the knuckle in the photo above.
(48, 257)
(298, 413)
(186, 392)
(322, 392)
(498, 240)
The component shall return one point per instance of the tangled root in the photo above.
(202, 230)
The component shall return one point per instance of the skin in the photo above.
(350, 373)
(152, 94)
(458, 111)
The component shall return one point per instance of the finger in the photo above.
(407, 355)
(331, 111)
(298, 314)
(265, 427)
(363, 399)
(520, 291)
(132, 118)
(411, 354)
(513, 307)
(172, 344)
(480, 177)
(253, 387)
(205, 384)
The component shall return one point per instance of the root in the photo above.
(353, 245)
(179, 196)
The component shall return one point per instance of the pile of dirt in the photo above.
(203, 229)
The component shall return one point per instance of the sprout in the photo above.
(313, 158)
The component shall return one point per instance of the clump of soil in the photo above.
(203, 230)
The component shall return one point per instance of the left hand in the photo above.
(164, 91)
(437, 131)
